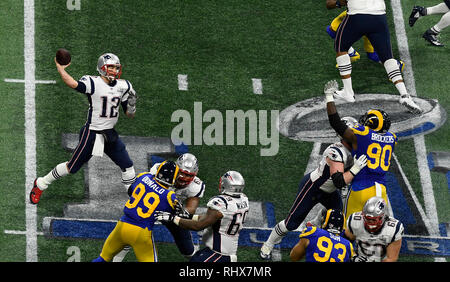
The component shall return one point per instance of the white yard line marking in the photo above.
(257, 86)
(17, 232)
(13, 80)
(419, 142)
(182, 82)
(30, 129)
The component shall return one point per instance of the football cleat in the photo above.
(35, 194)
(408, 102)
(416, 13)
(354, 56)
(401, 65)
(373, 56)
(265, 252)
(432, 37)
(343, 95)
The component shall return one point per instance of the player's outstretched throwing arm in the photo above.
(67, 78)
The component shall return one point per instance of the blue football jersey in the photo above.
(147, 197)
(325, 246)
(378, 147)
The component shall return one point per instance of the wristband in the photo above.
(176, 220)
(195, 217)
(329, 98)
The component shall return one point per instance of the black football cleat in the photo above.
(416, 13)
(432, 37)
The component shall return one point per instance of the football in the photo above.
(63, 56)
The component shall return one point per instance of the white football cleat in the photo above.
(408, 102)
(265, 252)
(343, 95)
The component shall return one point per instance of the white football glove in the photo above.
(329, 89)
(166, 217)
(358, 164)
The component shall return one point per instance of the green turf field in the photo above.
(221, 46)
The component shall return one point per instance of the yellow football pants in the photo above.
(338, 20)
(357, 199)
(141, 240)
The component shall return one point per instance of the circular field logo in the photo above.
(308, 120)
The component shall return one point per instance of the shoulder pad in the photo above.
(217, 203)
(309, 230)
(360, 129)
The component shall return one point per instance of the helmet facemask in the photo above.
(112, 71)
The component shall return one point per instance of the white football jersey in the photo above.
(195, 189)
(104, 101)
(336, 152)
(373, 246)
(372, 7)
(223, 236)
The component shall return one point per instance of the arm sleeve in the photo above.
(337, 124)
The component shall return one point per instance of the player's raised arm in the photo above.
(333, 117)
(67, 78)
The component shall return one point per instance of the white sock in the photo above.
(128, 177)
(443, 22)
(395, 75)
(345, 68)
(278, 232)
(438, 9)
(59, 171)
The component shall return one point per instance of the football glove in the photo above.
(358, 164)
(181, 211)
(329, 89)
(164, 216)
(132, 97)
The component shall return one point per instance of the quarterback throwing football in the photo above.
(105, 94)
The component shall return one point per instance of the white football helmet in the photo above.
(374, 214)
(231, 183)
(349, 121)
(188, 169)
(106, 60)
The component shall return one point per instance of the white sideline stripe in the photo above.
(17, 232)
(30, 129)
(182, 82)
(257, 86)
(419, 141)
(13, 80)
